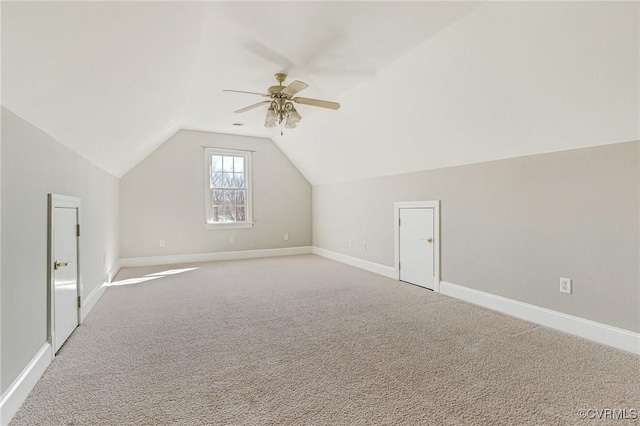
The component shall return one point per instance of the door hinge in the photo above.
(398, 221)
(78, 230)
(399, 266)
(79, 302)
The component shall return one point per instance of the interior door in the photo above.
(416, 246)
(65, 270)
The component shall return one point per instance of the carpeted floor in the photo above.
(304, 340)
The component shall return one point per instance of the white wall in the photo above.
(33, 165)
(507, 80)
(162, 198)
(513, 227)
(1, 388)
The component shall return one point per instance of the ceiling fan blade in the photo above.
(294, 88)
(249, 93)
(250, 107)
(317, 102)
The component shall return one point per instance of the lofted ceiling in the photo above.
(113, 80)
(423, 85)
(507, 80)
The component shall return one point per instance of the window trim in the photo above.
(248, 222)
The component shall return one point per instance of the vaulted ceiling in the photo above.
(422, 84)
(112, 80)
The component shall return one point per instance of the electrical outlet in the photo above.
(161, 243)
(232, 240)
(364, 245)
(565, 285)
(286, 237)
(350, 243)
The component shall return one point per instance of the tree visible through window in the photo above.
(228, 182)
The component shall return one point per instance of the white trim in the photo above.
(61, 201)
(229, 225)
(376, 268)
(92, 298)
(113, 271)
(15, 395)
(65, 201)
(602, 333)
(435, 205)
(209, 152)
(207, 257)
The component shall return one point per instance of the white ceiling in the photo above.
(113, 80)
(509, 79)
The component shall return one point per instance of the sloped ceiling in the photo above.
(422, 84)
(509, 79)
(113, 80)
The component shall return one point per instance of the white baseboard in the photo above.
(602, 333)
(113, 271)
(17, 393)
(376, 268)
(90, 301)
(208, 257)
(13, 398)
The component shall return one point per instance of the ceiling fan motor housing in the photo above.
(275, 89)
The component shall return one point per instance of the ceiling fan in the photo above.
(281, 99)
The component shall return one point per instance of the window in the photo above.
(228, 188)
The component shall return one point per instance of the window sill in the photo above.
(233, 225)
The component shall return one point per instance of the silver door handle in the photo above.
(57, 264)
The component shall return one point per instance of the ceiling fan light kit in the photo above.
(281, 110)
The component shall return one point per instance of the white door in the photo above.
(65, 274)
(416, 254)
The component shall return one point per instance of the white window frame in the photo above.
(248, 222)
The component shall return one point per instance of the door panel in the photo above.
(416, 246)
(65, 250)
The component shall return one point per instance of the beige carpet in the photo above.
(304, 340)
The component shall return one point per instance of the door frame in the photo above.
(59, 201)
(435, 205)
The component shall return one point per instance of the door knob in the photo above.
(429, 240)
(57, 264)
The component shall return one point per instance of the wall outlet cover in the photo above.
(565, 285)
